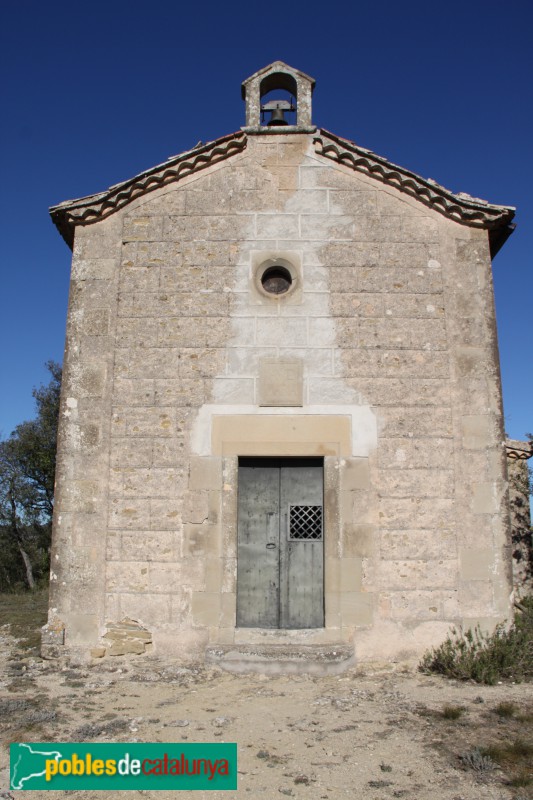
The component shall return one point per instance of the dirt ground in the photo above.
(377, 735)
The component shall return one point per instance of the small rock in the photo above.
(127, 647)
(97, 652)
(263, 754)
(302, 779)
(179, 723)
(219, 722)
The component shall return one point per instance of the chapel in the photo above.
(281, 444)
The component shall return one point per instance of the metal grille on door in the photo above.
(305, 522)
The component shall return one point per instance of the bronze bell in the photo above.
(278, 117)
(277, 109)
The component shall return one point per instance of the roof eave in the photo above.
(462, 208)
(498, 236)
(92, 208)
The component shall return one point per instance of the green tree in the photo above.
(34, 442)
(27, 468)
(18, 515)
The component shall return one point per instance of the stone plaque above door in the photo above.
(280, 382)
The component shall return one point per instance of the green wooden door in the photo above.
(280, 566)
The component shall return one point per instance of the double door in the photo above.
(280, 561)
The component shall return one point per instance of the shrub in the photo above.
(506, 709)
(473, 655)
(452, 712)
(515, 758)
(477, 761)
(521, 780)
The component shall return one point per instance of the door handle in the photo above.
(271, 546)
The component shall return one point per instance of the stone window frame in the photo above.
(271, 263)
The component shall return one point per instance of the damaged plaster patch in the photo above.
(52, 637)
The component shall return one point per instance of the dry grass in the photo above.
(505, 709)
(25, 614)
(515, 758)
(452, 712)
(494, 743)
(497, 732)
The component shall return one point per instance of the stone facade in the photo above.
(518, 454)
(381, 358)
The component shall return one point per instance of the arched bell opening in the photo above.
(278, 94)
(278, 100)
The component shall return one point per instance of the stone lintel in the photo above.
(281, 435)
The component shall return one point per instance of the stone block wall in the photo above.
(390, 328)
(518, 455)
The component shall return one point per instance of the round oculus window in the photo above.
(276, 280)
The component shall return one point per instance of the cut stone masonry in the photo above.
(380, 359)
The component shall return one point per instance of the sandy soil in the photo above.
(375, 736)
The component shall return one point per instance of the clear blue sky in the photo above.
(94, 93)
